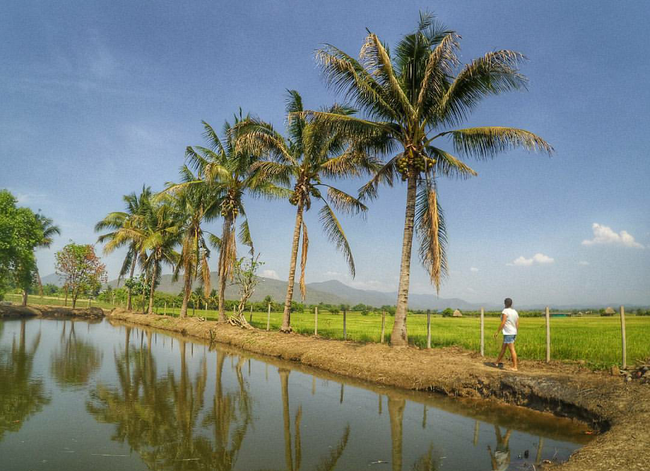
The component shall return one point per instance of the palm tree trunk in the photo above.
(399, 334)
(153, 288)
(286, 317)
(129, 305)
(223, 264)
(284, 383)
(396, 413)
(188, 289)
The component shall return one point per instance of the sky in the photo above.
(101, 98)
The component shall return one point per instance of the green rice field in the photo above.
(595, 341)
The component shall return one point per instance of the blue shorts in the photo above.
(509, 338)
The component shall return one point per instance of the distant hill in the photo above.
(329, 292)
(53, 279)
(335, 292)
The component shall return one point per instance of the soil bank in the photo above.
(619, 409)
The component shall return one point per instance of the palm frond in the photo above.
(377, 61)
(335, 234)
(245, 236)
(345, 202)
(486, 142)
(384, 176)
(448, 165)
(346, 75)
(430, 228)
(493, 74)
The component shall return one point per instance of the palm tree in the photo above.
(309, 153)
(49, 229)
(195, 204)
(122, 233)
(159, 232)
(228, 168)
(413, 100)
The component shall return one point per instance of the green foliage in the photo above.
(81, 268)
(448, 312)
(20, 234)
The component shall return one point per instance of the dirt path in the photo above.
(618, 409)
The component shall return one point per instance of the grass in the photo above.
(596, 341)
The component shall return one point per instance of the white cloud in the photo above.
(538, 258)
(582, 262)
(333, 273)
(605, 235)
(473, 269)
(270, 274)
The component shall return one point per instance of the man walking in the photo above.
(509, 326)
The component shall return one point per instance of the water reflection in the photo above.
(21, 395)
(76, 359)
(178, 405)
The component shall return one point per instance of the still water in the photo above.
(76, 395)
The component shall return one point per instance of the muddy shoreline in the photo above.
(620, 410)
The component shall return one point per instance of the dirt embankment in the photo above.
(50, 311)
(619, 409)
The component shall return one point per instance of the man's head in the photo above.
(508, 302)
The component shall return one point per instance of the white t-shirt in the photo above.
(510, 327)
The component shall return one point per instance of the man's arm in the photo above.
(503, 323)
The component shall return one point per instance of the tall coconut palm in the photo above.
(415, 98)
(122, 233)
(49, 230)
(159, 233)
(228, 167)
(195, 202)
(310, 153)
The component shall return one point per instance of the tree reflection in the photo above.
(75, 360)
(294, 462)
(21, 395)
(159, 415)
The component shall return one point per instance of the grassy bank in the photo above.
(593, 340)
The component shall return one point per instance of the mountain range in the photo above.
(328, 292)
(335, 292)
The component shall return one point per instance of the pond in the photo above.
(78, 395)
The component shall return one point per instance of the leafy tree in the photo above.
(20, 234)
(413, 99)
(81, 268)
(228, 167)
(448, 312)
(310, 153)
(122, 233)
(245, 275)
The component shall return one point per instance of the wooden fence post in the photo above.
(623, 337)
(482, 332)
(383, 325)
(548, 335)
(251, 316)
(88, 301)
(165, 312)
(316, 320)
(345, 327)
(428, 329)
(268, 318)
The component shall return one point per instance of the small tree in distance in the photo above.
(81, 268)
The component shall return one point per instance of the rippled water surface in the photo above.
(92, 396)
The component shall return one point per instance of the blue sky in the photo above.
(99, 98)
